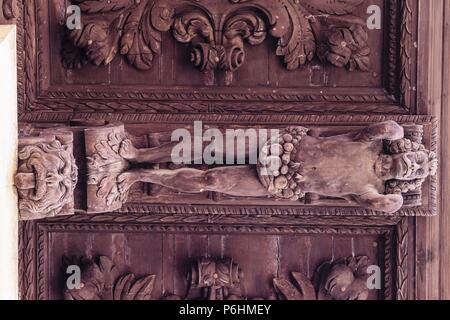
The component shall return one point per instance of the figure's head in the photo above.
(413, 165)
(55, 176)
(408, 166)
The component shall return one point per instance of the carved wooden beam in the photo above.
(129, 168)
(115, 165)
(327, 30)
(47, 175)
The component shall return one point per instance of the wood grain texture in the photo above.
(444, 250)
(431, 235)
(413, 86)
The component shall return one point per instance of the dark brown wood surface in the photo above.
(404, 82)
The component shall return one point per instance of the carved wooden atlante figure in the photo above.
(356, 166)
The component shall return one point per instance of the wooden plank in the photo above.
(427, 231)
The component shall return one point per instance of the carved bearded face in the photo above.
(411, 165)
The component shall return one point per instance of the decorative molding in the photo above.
(27, 265)
(257, 220)
(407, 53)
(402, 278)
(239, 119)
(261, 222)
(282, 211)
(47, 175)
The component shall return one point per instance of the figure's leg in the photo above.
(160, 154)
(163, 153)
(235, 181)
(388, 130)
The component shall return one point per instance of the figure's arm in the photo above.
(389, 130)
(390, 203)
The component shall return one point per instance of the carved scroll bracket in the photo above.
(47, 175)
(327, 30)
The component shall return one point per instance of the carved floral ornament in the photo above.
(220, 279)
(305, 29)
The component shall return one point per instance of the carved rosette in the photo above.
(305, 29)
(47, 176)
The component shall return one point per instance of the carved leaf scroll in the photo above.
(102, 280)
(130, 288)
(105, 164)
(306, 29)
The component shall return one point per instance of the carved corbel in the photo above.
(47, 175)
(104, 165)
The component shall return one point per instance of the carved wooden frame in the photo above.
(392, 231)
(38, 100)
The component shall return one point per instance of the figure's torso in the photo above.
(339, 167)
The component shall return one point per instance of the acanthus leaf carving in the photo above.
(220, 279)
(104, 166)
(101, 279)
(305, 29)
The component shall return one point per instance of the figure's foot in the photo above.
(125, 181)
(127, 150)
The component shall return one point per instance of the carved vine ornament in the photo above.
(221, 279)
(305, 29)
